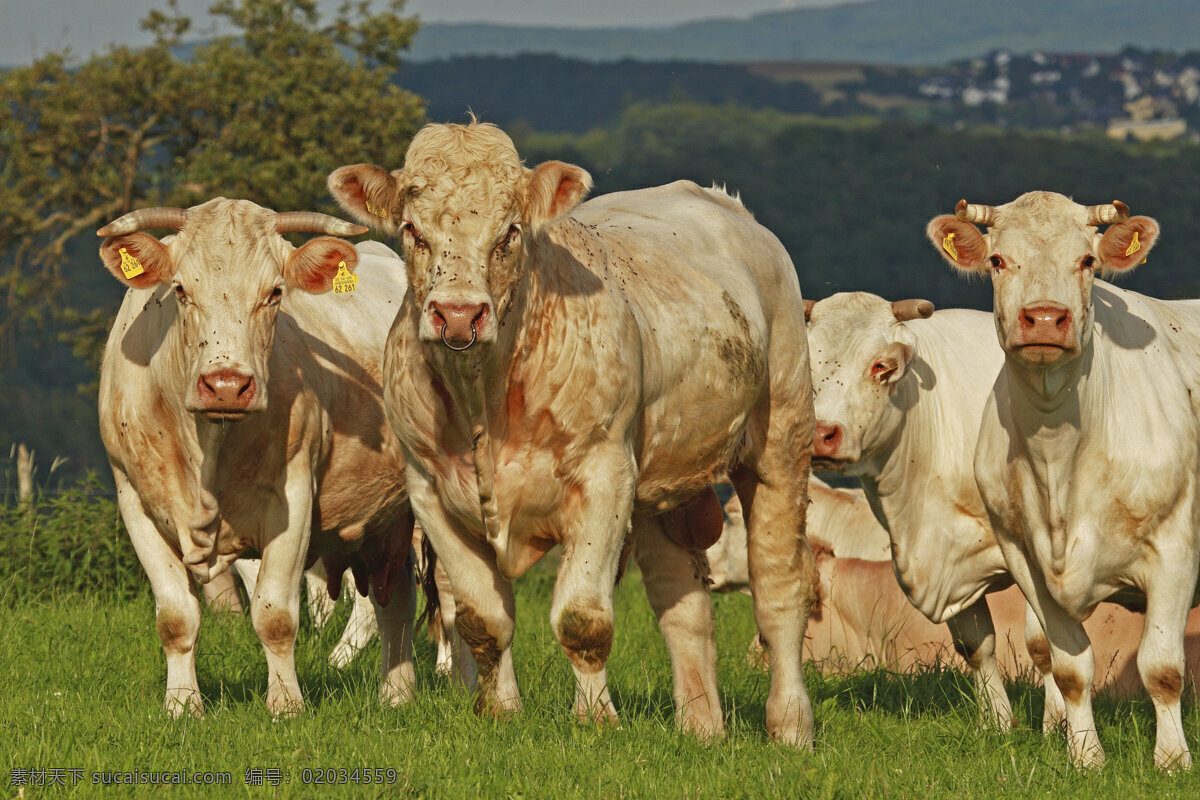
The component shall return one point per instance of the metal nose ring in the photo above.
(466, 346)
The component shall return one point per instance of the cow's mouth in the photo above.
(225, 416)
(1043, 352)
(830, 464)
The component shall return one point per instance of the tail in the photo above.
(428, 561)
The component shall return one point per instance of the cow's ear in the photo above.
(313, 266)
(959, 242)
(554, 189)
(370, 194)
(138, 260)
(891, 364)
(1126, 244)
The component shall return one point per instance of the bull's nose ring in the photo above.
(466, 346)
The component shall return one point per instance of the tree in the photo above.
(263, 114)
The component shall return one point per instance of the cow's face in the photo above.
(1042, 252)
(228, 269)
(467, 213)
(860, 349)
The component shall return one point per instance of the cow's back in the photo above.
(712, 293)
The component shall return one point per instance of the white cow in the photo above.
(1089, 449)
(841, 519)
(242, 409)
(899, 392)
(571, 367)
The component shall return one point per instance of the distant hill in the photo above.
(878, 32)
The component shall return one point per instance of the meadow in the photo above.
(83, 677)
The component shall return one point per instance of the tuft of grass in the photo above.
(85, 677)
(67, 544)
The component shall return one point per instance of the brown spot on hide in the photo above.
(276, 630)
(1070, 684)
(1165, 684)
(484, 647)
(587, 638)
(172, 630)
(972, 657)
(739, 353)
(1039, 652)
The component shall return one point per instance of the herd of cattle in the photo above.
(540, 371)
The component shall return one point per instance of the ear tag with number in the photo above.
(345, 281)
(1134, 246)
(948, 246)
(379, 212)
(130, 265)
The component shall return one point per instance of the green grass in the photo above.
(83, 678)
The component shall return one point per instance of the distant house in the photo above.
(1146, 129)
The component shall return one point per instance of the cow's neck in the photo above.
(924, 502)
(476, 381)
(201, 442)
(1048, 411)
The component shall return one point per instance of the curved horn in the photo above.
(904, 310)
(980, 215)
(158, 217)
(1109, 212)
(314, 222)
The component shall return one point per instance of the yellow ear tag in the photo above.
(379, 212)
(345, 281)
(130, 265)
(948, 246)
(1134, 246)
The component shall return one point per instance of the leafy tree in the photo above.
(263, 114)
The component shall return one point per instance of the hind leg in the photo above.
(680, 600)
(974, 636)
(782, 581)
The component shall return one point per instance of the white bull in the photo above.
(559, 370)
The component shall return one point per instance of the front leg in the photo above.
(1160, 657)
(177, 605)
(485, 610)
(396, 621)
(581, 611)
(275, 606)
(1054, 714)
(1072, 664)
(974, 637)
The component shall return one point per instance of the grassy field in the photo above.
(83, 683)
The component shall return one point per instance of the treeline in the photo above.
(850, 200)
(551, 93)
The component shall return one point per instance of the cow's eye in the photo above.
(274, 296)
(509, 238)
(181, 295)
(1088, 262)
(410, 230)
(997, 262)
(881, 368)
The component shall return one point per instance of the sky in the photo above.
(31, 28)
